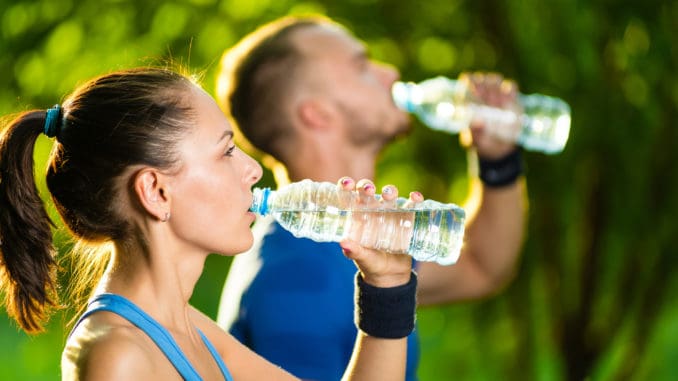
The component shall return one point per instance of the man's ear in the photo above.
(150, 190)
(316, 114)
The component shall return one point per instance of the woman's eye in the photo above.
(229, 151)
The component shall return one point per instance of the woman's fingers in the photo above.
(346, 183)
(378, 268)
(367, 197)
(389, 196)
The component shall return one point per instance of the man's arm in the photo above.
(496, 212)
(493, 241)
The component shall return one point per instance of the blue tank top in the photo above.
(162, 338)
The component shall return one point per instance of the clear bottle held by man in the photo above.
(540, 123)
(428, 230)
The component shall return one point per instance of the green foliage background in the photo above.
(593, 297)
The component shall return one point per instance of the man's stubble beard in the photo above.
(370, 133)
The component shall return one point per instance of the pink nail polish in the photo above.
(345, 181)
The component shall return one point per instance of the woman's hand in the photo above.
(378, 268)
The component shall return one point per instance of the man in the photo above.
(304, 92)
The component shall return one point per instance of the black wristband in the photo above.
(503, 171)
(387, 313)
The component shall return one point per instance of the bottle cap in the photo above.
(260, 201)
(401, 96)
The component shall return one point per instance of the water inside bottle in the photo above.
(444, 104)
(427, 235)
(446, 116)
(547, 127)
(440, 105)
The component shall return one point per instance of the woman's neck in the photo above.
(158, 280)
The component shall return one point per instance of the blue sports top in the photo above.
(162, 338)
(297, 312)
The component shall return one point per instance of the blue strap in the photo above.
(217, 357)
(128, 310)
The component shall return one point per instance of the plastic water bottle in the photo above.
(428, 231)
(446, 104)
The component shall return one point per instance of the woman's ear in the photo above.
(150, 190)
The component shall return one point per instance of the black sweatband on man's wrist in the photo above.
(387, 313)
(503, 171)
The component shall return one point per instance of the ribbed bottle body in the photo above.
(542, 125)
(429, 231)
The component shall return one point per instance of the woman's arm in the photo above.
(385, 307)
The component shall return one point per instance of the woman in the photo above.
(144, 162)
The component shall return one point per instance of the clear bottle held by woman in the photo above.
(540, 123)
(427, 230)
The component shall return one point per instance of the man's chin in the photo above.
(399, 134)
(404, 129)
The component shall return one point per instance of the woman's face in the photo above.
(211, 193)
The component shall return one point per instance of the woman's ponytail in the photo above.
(27, 267)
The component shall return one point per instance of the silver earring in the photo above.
(167, 217)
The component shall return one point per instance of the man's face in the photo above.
(337, 68)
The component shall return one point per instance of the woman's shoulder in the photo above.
(107, 347)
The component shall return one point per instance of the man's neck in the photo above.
(331, 167)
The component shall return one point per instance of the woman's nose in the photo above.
(254, 170)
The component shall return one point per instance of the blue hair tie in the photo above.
(53, 121)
